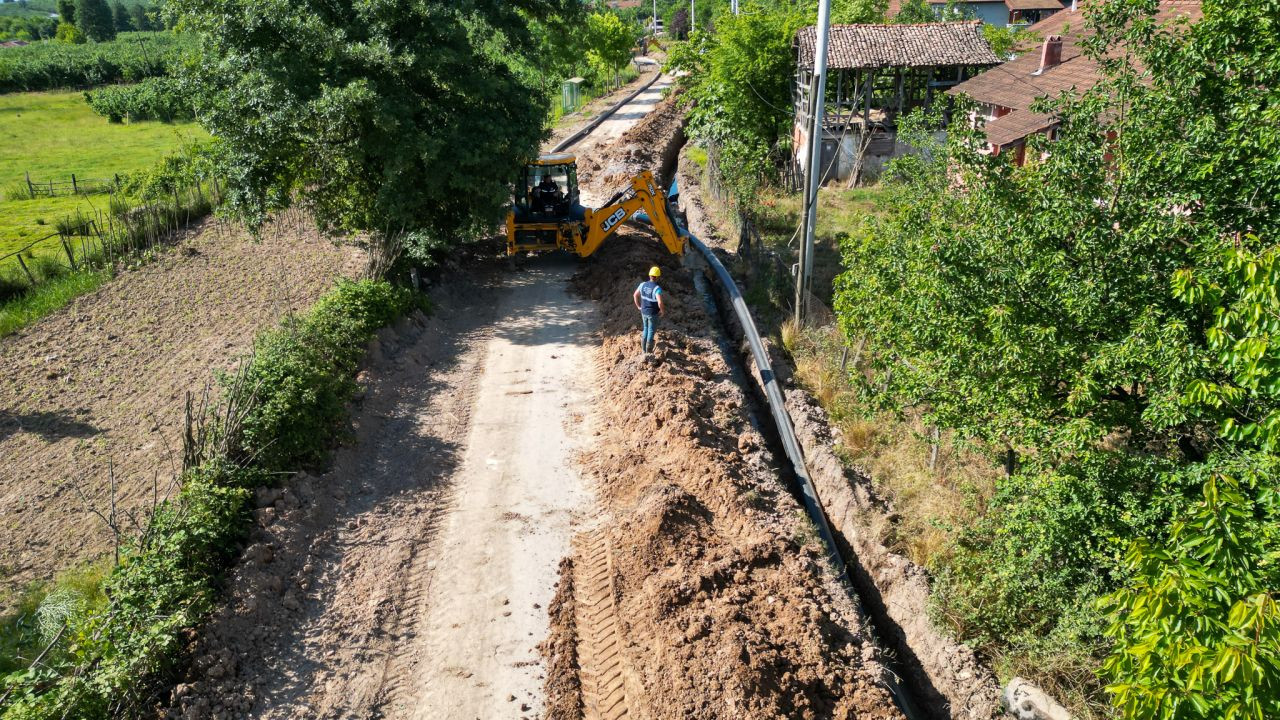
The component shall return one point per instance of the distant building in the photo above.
(624, 4)
(1004, 12)
(877, 74)
(13, 43)
(1005, 94)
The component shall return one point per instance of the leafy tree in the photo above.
(740, 85)
(609, 43)
(67, 11)
(1004, 40)
(678, 28)
(120, 17)
(381, 117)
(70, 34)
(561, 43)
(140, 19)
(93, 17)
(859, 11)
(915, 11)
(1198, 629)
(1104, 314)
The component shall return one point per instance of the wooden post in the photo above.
(933, 450)
(26, 270)
(844, 359)
(75, 187)
(71, 258)
(857, 354)
(31, 191)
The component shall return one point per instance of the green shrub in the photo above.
(130, 58)
(1197, 632)
(157, 98)
(301, 374)
(114, 654)
(165, 583)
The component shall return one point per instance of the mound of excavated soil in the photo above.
(704, 594)
(651, 144)
(101, 384)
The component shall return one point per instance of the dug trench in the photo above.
(701, 590)
(515, 427)
(941, 678)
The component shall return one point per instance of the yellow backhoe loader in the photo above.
(546, 214)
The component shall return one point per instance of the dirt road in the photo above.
(418, 577)
(415, 574)
(516, 503)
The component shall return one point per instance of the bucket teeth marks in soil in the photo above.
(600, 644)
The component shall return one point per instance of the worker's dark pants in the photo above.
(649, 325)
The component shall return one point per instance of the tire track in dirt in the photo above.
(600, 650)
(322, 618)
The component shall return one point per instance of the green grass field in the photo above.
(54, 134)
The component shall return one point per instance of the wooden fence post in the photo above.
(857, 354)
(31, 191)
(71, 258)
(26, 270)
(75, 187)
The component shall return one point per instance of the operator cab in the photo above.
(548, 189)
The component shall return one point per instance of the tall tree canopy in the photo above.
(609, 42)
(140, 19)
(1109, 311)
(93, 18)
(67, 11)
(385, 115)
(740, 82)
(121, 18)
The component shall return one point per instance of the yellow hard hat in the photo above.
(655, 271)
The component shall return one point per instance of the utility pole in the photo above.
(813, 172)
(693, 15)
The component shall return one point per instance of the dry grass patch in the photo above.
(931, 504)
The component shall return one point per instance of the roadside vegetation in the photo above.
(106, 636)
(414, 151)
(1091, 334)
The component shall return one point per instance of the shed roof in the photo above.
(856, 47)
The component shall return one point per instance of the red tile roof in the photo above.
(922, 45)
(1016, 84)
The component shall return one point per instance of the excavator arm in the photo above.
(644, 195)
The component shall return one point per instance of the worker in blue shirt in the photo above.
(648, 299)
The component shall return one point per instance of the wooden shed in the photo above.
(876, 75)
